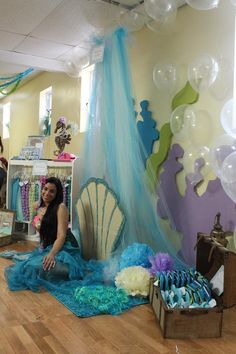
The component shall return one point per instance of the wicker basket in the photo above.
(5, 240)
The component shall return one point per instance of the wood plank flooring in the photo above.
(38, 323)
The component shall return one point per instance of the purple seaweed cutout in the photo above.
(191, 213)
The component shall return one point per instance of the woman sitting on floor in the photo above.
(87, 288)
(55, 258)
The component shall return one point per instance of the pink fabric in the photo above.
(36, 222)
(66, 156)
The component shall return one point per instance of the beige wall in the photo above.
(25, 112)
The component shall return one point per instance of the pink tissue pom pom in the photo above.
(161, 262)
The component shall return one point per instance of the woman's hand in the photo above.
(49, 262)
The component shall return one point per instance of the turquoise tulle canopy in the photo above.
(112, 146)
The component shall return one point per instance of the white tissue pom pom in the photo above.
(134, 280)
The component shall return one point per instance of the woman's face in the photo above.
(49, 193)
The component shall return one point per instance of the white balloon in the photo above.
(204, 153)
(223, 85)
(71, 69)
(203, 4)
(189, 158)
(199, 124)
(165, 77)
(196, 161)
(222, 147)
(160, 8)
(98, 14)
(79, 56)
(228, 118)
(177, 122)
(230, 190)
(132, 20)
(162, 25)
(228, 169)
(233, 2)
(202, 72)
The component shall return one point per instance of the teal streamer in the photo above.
(10, 80)
(18, 76)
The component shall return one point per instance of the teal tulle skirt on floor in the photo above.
(86, 288)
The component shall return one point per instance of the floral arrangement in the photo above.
(161, 262)
(134, 280)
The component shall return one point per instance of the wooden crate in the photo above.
(186, 323)
(210, 257)
(199, 322)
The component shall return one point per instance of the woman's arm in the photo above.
(62, 225)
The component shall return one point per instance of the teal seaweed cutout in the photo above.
(147, 130)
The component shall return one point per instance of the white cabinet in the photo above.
(57, 168)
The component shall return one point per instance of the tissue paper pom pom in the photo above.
(134, 280)
(97, 299)
(161, 262)
(136, 254)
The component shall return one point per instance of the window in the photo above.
(86, 85)
(45, 109)
(6, 120)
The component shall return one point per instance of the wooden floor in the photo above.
(38, 323)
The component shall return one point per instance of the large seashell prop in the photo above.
(100, 219)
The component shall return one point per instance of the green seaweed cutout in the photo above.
(155, 160)
(185, 96)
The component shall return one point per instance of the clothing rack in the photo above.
(24, 188)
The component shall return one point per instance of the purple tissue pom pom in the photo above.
(161, 262)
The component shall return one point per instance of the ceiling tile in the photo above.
(8, 69)
(22, 16)
(75, 52)
(74, 21)
(42, 48)
(8, 41)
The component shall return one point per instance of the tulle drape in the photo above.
(112, 146)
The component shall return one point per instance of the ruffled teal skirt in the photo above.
(85, 287)
(29, 273)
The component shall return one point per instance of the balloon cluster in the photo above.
(202, 73)
(188, 123)
(195, 125)
(224, 150)
(160, 14)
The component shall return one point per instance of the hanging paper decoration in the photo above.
(11, 83)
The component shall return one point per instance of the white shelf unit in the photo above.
(69, 168)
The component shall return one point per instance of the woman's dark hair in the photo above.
(48, 229)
